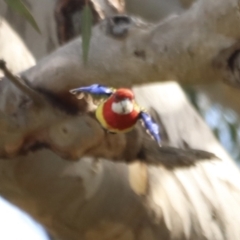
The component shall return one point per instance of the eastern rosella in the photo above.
(119, 112)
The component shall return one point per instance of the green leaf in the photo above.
(216, 132)
(86, 27)
(233, 132)
(19, 7)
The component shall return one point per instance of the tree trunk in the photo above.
(91, 199)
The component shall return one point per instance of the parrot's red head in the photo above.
(122, 101)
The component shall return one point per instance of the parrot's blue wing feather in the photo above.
(94, 89)
(150, 126)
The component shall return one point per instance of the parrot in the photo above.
(119, 112)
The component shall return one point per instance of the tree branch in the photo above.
(18, 82)
(194, 47)
(74, 136)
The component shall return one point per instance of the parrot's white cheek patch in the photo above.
(123, 107)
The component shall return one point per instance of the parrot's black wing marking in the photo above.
(95, 89)
(151, 127)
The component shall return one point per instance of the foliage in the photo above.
(19, 7)
(224, 122)
(86, 27)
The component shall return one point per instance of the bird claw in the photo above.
(80, 95)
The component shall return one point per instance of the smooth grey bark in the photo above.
(182, 48)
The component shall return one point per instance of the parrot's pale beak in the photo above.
(123, 107)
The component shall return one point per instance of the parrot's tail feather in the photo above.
(172, 158)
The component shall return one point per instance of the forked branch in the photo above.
(19, 83)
